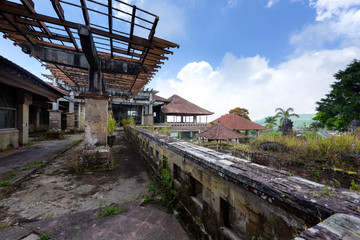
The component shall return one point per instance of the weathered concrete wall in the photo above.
(232, 198)
(9, 138)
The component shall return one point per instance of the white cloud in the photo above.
(271, 3)
(337, 21)
(232, 3)
(251, 83)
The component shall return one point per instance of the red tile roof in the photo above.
(160, 99)
(235, 122)
(219, 132)
(179, 105)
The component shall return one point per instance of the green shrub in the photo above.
(111, 124)
(128, 121)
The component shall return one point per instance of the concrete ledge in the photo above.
(338, 226)
(247, 188)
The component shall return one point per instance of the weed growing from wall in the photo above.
(163, 186)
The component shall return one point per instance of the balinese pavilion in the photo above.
(235, 123)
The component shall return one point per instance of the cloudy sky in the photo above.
(256, 54)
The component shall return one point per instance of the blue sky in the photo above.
(257, 54)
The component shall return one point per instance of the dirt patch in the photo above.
(55, 190)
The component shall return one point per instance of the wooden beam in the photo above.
(79, 61)
(60, 12)
(132, 27)
(85, 12)
(110, 20)
(29, 4)
(11, 20)
(151, 36)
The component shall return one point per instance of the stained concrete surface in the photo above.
(59, 190)
(39, 151)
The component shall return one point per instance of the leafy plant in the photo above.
(326, 190)
(163, 186)
(5, 183)
(111, 124)
(128, 121)
(354, 187)
(282, 114)
(44, 236)
(112, 210)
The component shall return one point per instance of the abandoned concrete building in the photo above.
(24, 103)
(99, 67)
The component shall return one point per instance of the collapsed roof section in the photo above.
(111, 41)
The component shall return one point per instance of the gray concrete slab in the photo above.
(135, 224)
(39, 151)
(61, 201)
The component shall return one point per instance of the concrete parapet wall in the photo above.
(232, 198)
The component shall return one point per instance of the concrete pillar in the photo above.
(81, 117)
(70, 120)
(55, 119)
(37, 118)
(96, 115)
(25, 99)
(195, 119)
(55, 105)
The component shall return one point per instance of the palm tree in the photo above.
(270, 122)
(282, 114)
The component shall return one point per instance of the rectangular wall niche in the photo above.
(196, 189)
(176, 172)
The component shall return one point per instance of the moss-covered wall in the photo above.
(232, 198)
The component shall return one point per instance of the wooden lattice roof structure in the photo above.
(235, 122)
(119, 32)
(181, 106)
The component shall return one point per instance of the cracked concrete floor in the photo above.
(57, 190)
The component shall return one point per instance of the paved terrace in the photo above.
(60, 201)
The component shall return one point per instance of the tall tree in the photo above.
(270, 122)
(342, 104)
(282, 114)
(242, 112)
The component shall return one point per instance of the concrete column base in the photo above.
(70, 121)
(96, 158)
(149, 119)
(55, 119)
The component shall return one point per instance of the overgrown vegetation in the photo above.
(111, 124)
(110, 210)
(162, 187)
(128, 121)
(32, 165)
(324, 151)
(44, 236)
